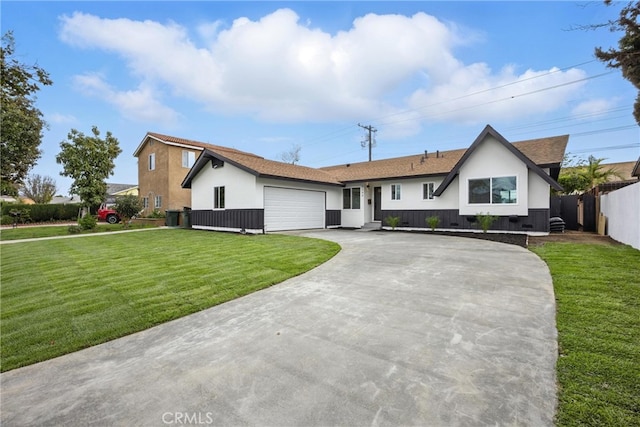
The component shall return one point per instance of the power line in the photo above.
(347, 129)
(500, 100)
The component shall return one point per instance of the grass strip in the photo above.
(597, 290)
(20, 233)
(59, 296)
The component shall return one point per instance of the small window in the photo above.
(427, 190)
(351, 198)
(157, 202)
(145, 202)
(152, 161)
(218, 197)
(188, 159)
(395, 191)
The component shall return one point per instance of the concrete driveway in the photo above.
(397, 329)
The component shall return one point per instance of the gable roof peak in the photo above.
(488, 130)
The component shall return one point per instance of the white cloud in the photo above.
(397, 68)
(59, 118)
(594, 107)
(140, 104)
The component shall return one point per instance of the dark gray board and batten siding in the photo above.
(537, 220)
(248, 219)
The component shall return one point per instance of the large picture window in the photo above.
(351, 198)
(395, 191)
(493, 190)
(218, 197)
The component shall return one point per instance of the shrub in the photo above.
(6, 220)
(88, 222)
(74, 229)
(156, 214)
(485, 221)
(127, 207)
(392, 221)
(432, 222)
(44, 213)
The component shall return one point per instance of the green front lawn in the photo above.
(597, 290)
(63, 295)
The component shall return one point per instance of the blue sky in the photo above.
(265, 76)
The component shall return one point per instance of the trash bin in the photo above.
(186, 218)
(172, 218)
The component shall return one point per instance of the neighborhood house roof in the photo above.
(186, 143)
(117, 188)
(623, 170)
(535, 153)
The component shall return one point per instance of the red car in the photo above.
(108, 214)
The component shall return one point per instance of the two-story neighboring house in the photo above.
(163, 163)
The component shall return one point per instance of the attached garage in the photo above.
(293, 209)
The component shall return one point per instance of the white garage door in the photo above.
(290, 209)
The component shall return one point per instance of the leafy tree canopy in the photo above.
(40, 189)
(627, 56)
(21, 121)
(89, 160)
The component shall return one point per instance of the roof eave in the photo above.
(309, 181)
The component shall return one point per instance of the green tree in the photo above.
(127, 207)
(22, 123)
(89, 160)
(580, 176)
(627, 56)
(595, 173)
(40, 189)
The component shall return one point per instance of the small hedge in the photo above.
(44, 213)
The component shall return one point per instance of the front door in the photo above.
(377, 203)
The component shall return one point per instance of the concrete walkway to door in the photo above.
(397, 329)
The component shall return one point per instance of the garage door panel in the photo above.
(293, 209)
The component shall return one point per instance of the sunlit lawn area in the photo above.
(24, 232)
(598, 317)
(62, 295)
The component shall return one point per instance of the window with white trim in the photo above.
(218, 197)
(496, 190)
(351, 198)
(145, 202)
(152, 161)
(427, 190)
(188, 158)
(395, 191)
(157, 202)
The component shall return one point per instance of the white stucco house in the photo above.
(238, 191)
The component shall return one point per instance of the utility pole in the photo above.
(370, 140)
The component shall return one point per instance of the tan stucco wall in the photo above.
(167, 177)
(178, 197)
